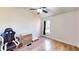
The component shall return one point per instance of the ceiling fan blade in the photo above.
(45, 11)
(32, 9)
(43, 7)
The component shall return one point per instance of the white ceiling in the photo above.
(51, 10)
(58, 10)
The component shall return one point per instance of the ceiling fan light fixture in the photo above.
(39, 10)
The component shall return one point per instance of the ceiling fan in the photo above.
(40, 10)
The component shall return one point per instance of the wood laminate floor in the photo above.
(42, 44)
(45, 44)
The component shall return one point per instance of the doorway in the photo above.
(46, 28)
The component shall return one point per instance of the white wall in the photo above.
(65, 26)
(20, 20)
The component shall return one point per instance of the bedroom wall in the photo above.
(20, 20)
(64, 26)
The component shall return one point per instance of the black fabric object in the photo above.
(44, 28)
(10, 46)
(8, 36)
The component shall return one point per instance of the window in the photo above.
(47, 31)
